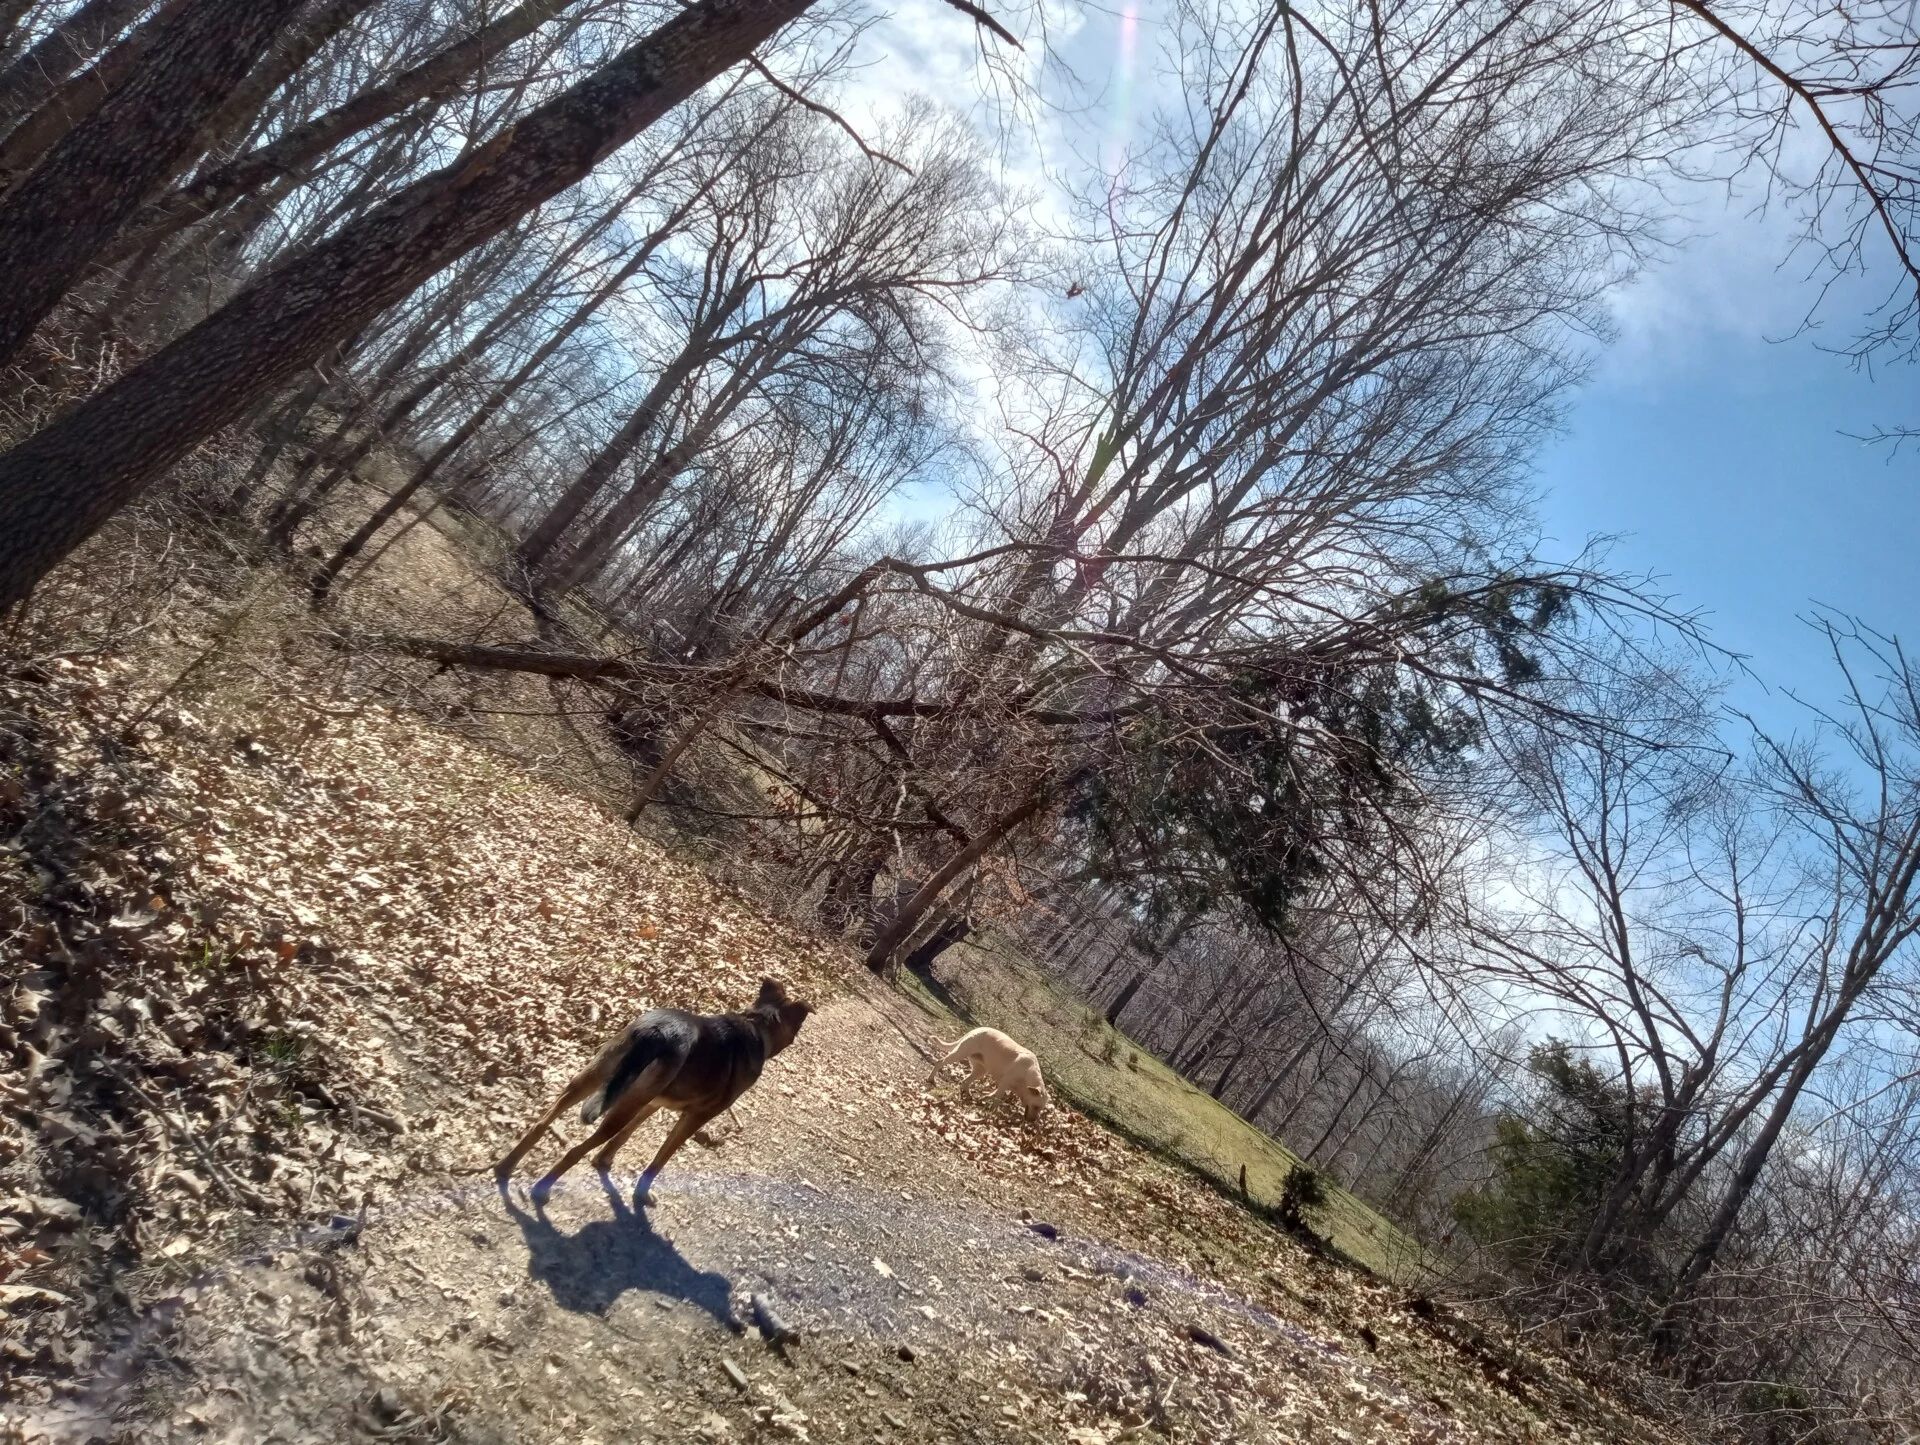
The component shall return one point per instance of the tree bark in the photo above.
(73, 102)
(1125, 997)
(60, 486)
(304, 144)
(1227, 1073)
(938, 942)
(12, 32)
(281, 64)
(895, 933)
(32, 79)
(55, 220)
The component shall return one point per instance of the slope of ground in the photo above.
(1108, 1076)
(283, 972)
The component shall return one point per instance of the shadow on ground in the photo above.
(587, 1271)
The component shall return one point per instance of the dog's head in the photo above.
(784, 1013)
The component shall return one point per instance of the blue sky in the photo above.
(1717, 453)
(1709, 446)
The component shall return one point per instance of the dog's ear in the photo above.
(771, 993)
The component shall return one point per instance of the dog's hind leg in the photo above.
(691, 1122)
(583, 1085)
(952, 1054)
(632, 1099)
(603, 1161)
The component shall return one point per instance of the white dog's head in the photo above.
(1030, 1091)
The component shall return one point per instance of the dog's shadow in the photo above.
(587, 1271)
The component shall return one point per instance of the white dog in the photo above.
(990, 1054)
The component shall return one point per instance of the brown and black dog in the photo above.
(697, 1064)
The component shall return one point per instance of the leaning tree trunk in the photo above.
(951, 931)
(1733, 1201)
(294, 150)
(55, 221)
(60, 486)
(13, 34)
(1125, 996)
(232, 121)
(344, 554)
(897, 932)
(82, 95)
(32, 79)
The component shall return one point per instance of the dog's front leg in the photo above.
(691, 1122)
(603, 1161)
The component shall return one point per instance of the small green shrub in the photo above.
(1303, 1191)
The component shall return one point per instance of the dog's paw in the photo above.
(542, 1191)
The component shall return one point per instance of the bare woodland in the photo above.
(1232, 686)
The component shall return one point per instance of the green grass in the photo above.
(1105, 1074)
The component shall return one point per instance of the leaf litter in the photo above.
(272, 992)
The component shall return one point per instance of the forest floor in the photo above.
(283, 967)
(267, 977)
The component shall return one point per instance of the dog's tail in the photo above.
(649, 1040)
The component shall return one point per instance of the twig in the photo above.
(218, 1171)
(980, 17)
(831, 114)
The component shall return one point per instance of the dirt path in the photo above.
(343, 963)
(927, 1307)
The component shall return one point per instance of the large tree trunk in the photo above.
(1125, 997)
(31, 80)
(300, 147)
(13, 34)
(59, 487)
(81, 96)
(1706, 1253)
(929, 892)
(285, 60)
(54, 222)
(1227, 1073)
(951, 931)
